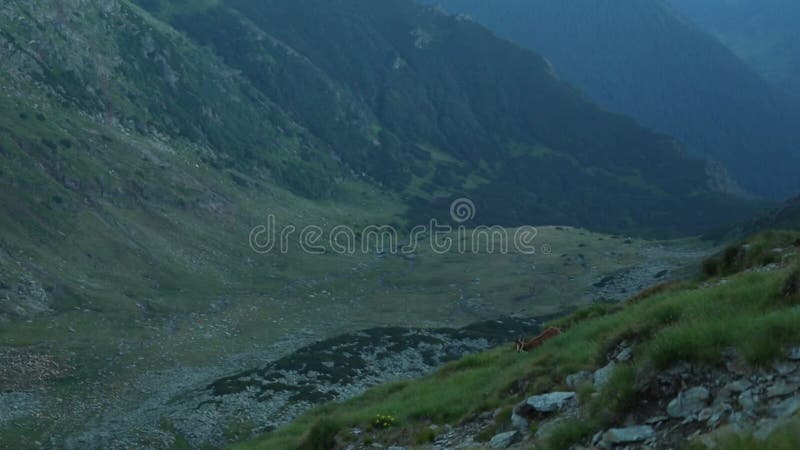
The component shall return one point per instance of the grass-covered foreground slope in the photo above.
(751, 312)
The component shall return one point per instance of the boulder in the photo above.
(552, 402)
(504, 440)
(628, 435)
(602, 375)
(580, 378)
(689, 403)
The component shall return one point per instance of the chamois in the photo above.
(525, 346)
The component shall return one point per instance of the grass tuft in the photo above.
(321, 435)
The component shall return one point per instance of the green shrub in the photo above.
(616, 397)
(321, 435)
(425, 436)
(569, 433)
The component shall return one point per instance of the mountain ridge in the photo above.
(644, 60)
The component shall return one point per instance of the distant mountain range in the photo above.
(431, 106)
(644, 59)
(764, 33)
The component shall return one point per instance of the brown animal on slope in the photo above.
(525, 346)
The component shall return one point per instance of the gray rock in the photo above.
(738, 386)
(784, 368)
(786, 408)
(781, 388)
(628, 435)
(597, 438)
(689, 402)
(394, 447)
(718, 412)
(625, 354)
(580, 378)
(748, 400)
(601, 376)
(794, 354)
(520, 423)
(705, 414)
(552, 402)
(656, 419)
(504, 440)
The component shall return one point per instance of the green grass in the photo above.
(684, 323)
(755, 251)
(786, 437)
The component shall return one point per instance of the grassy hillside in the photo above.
(642, 59)
(752, 312)
(135, 159)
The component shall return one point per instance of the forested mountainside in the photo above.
(644, 59)
(764, 33)
(429, 105)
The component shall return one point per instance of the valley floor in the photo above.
(91, 380)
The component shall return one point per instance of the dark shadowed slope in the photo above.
(642, 59)
(434, 107)
(764, 33)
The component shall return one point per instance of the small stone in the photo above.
(597, 438)
(689, 402)
(628, 435)
(705, 414)
(552, 402)
(794, 354)
(718, 412)
(786, 408)
(520, 423)
(580, 378)
(601, 376)
(781, 389)
(738, 386)
(748, 400)
(784, 368)
(394, 447)
(625, 354)
(504, 440)
(656, 419)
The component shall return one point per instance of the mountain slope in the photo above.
(710, 363)
(764, 33)
(135, 160)
(434, 107)
(641, 59)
